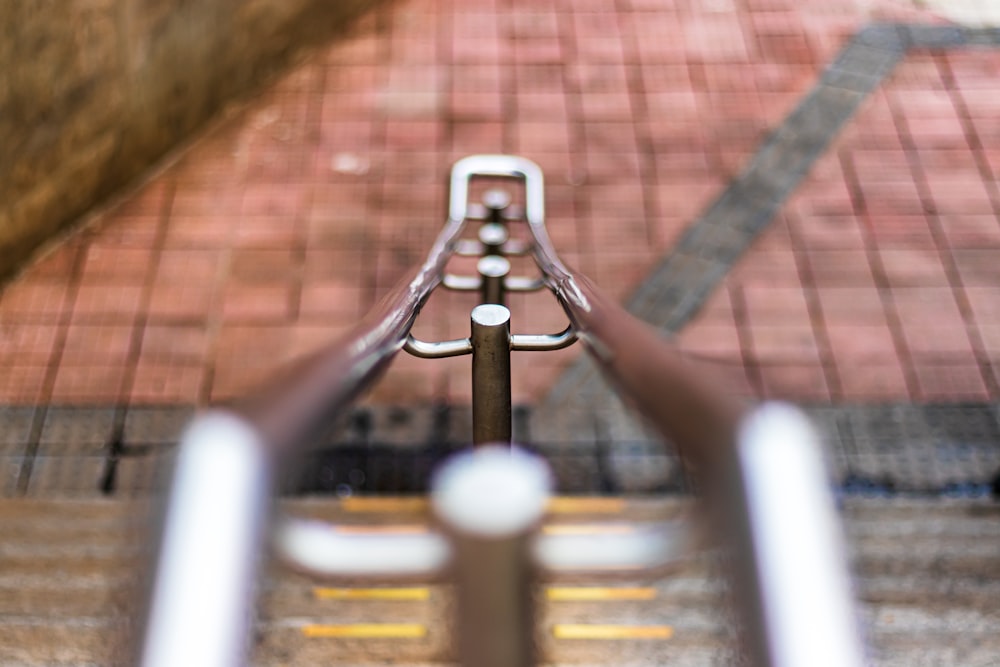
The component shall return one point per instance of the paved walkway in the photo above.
(862, 277)
(923, 582)
(877, 279)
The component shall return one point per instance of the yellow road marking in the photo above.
(555, 593)
(585, 504)
(557, 529)
(568, 594)
(391, 504)
(588, 529)
(557, 505)
(409, 529)
(612, 632)
(366, 631)
(371, 593)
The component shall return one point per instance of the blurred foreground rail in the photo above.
(926, 578)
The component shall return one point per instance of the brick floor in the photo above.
(889, 264)
(284, 223)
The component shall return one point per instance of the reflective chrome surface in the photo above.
(794, 587)
(642, 551)
(318, 548)
(203, 587)
(784, 534)
(497, 165)
(490, 501)
(491, 401)
(437, 350)
(542, 342)
(494, 270)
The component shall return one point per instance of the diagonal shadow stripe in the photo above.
(678, 287)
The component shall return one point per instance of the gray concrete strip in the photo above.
(945, 448)
(676, 289)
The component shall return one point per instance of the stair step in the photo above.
(927, 575)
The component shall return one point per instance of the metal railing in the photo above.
(765, 494)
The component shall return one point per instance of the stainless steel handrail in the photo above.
(290, 409)
(687, 407)
(788, 563)
(216, 521)
(302, 399)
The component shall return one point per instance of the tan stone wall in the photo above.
(94, 91)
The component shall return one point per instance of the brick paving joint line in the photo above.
(868, 57)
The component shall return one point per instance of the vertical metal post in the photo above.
(493, 271)
(491, 411)
(792, 584)
(491, 500)
(493, 235)
(200, 607)
(495, 201)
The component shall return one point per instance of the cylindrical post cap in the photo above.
(493, 234)
(492, 492)
(496, 199)
(493, 266)
(490, 315)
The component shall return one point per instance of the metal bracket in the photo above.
(509, 166)
(543, 342)
(458, 283)
(462, 346)
(437, 350)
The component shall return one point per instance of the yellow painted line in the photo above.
(588, 529)
(571, 594)
(366, 631)
(557, 505)
(612, 632)
(394, 529)
(586, 505)
(372, 593)
(392, 504)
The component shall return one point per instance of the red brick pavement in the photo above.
(271, 235)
